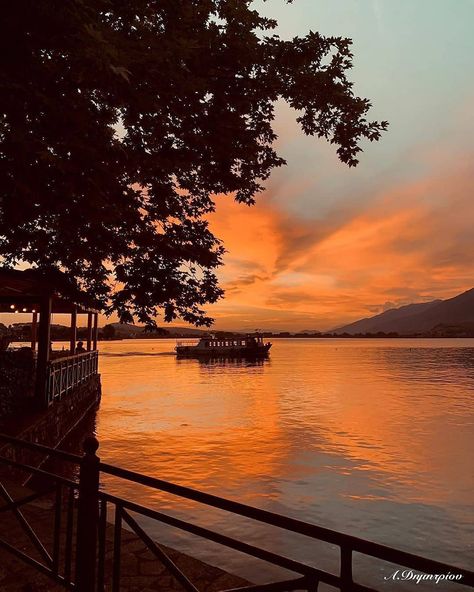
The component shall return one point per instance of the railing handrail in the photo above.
(72, 357)
(343, 540)
(67, 372)
(189, 341)
(62, 454)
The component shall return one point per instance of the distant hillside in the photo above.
(463, 330)
(127, 331)
(418, 318)
(186, 331)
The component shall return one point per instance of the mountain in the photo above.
(418, 318)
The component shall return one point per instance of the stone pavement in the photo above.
(141, 571)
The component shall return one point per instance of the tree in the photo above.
(151, 331)
(108, 332)
(121, 121)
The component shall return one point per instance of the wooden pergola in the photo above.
(41, 295)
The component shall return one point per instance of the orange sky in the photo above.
(311, 256)
(325, 244)
(408, 241)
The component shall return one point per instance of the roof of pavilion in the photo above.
(24, 290)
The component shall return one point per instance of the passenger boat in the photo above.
(250, 346)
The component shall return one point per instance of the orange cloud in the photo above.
(409, 243)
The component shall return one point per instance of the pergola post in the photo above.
(89, 331)
(34, 327)
(73, 333)
(44, 343)
(96, 329)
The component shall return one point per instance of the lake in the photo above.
(370, 437)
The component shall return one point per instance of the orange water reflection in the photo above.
(369, 437)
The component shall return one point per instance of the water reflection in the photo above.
(228, 363)
(369, 437)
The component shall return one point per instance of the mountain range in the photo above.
(425, 317)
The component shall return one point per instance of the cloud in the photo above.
(409, 241)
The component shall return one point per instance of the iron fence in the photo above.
(78, 562)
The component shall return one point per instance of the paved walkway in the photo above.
(141, 571)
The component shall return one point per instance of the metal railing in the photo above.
(81, 566)
(64, 374)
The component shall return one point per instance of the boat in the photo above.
(250, 346)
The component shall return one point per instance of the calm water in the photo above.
(369, 437)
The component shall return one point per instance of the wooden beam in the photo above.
(96, 330)
(34, 326)
(44, 345)
(73, 333)
(89, 331)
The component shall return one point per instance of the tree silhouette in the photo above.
(108, 332)
(121, 120)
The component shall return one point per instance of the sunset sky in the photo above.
(326, 244)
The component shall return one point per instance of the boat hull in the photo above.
(231, 352)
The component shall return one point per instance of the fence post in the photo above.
(346, 569)
(88, 517)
